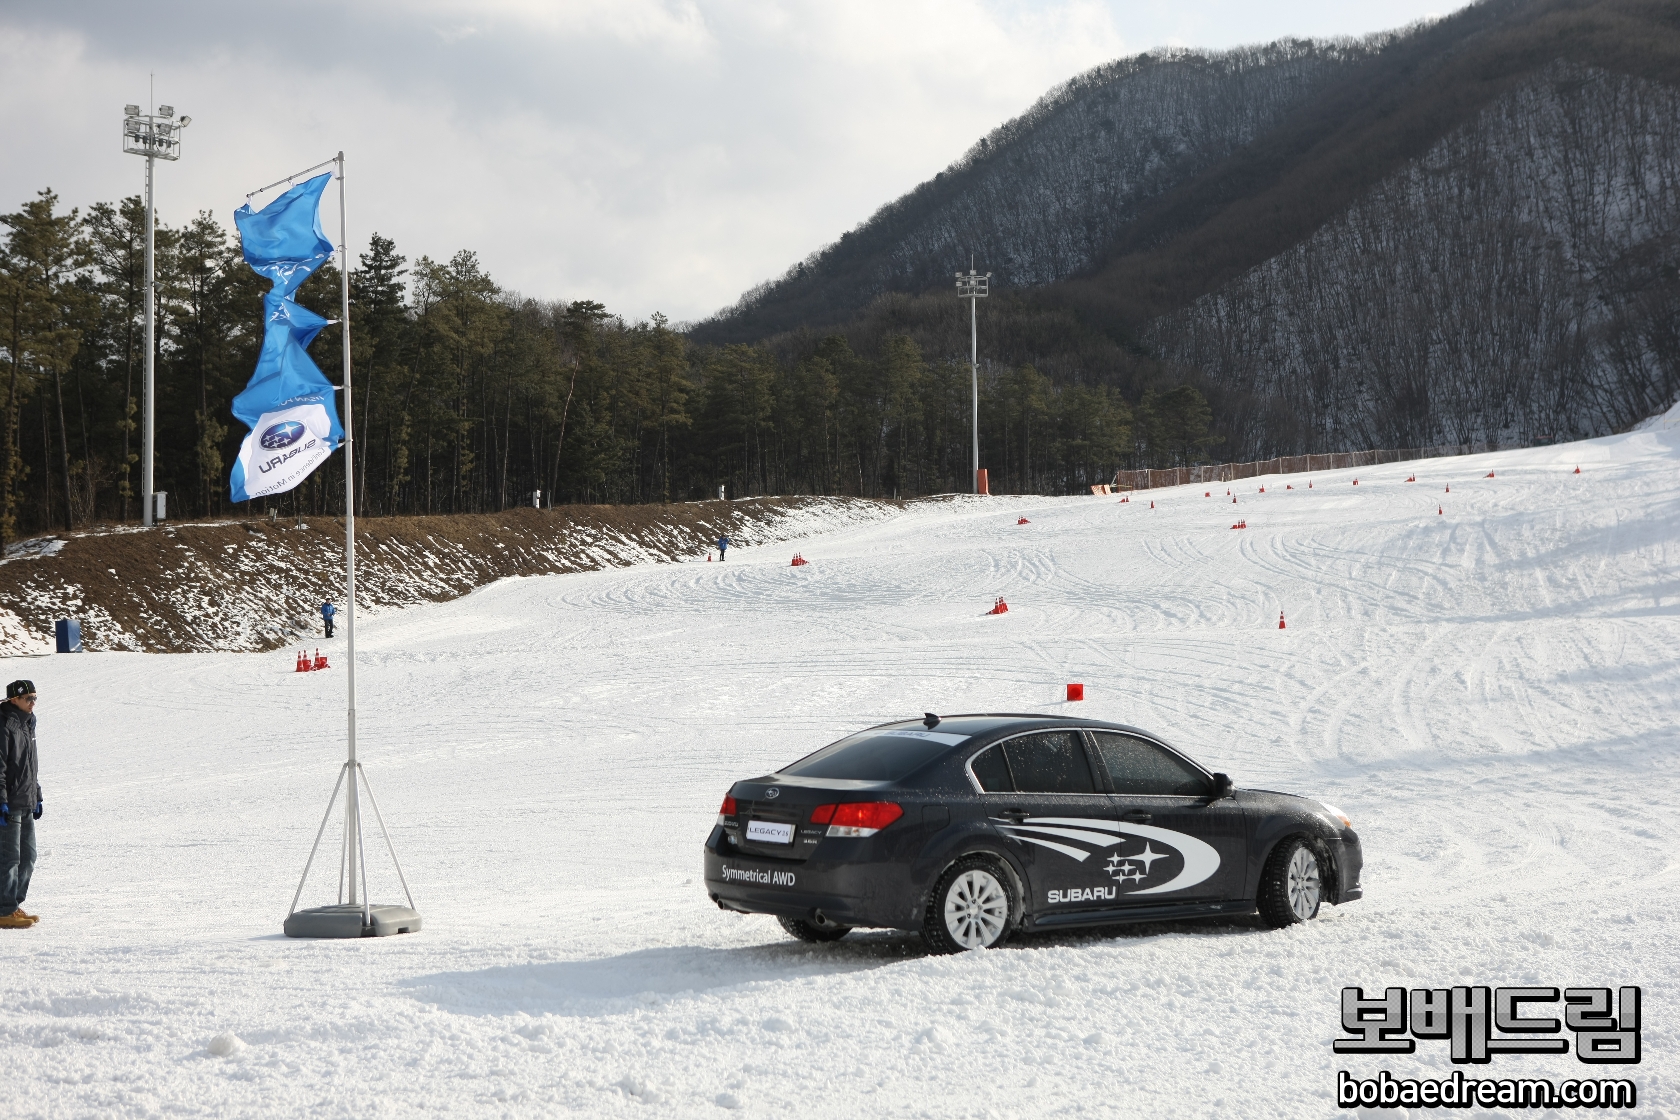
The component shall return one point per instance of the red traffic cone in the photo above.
(1023, 521)
(1000, 607)
(1151, 505)
(1490, 474)
(1356, 482)
(1309, 484)
(1577, 470)
(1076, 692)
(1262, 489)
(1209, 494)
(320, 660)
(1281, 626)
(1449, 488)
(1412, 478)
(1288, 487)
(1233, 500)
(799, 561)
(1439, 510)
(708, 558)
(302, 662)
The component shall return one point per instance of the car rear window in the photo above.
(874, 756)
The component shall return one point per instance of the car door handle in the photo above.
(1137, 816)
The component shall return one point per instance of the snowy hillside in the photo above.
(1491, 692)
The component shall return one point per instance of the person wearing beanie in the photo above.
(20, 802)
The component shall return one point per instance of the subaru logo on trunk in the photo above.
(772, 793)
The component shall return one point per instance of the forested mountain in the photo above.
(1467, 230)
(1463, 231)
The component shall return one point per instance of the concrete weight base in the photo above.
(345, 920)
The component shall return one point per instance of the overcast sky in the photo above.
(656, 155)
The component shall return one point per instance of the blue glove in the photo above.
(5, 811)
(38, 806)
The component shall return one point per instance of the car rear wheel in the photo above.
(811, 931)
(972, 907)
(1291, 887)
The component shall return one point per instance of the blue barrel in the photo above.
(69, 633)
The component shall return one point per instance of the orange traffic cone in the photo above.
(1000, 607)
(1413, 478)
(302, 661)
(799, 561)
(320, 660)
(1281, 626)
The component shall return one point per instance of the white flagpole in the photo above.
(352, 825)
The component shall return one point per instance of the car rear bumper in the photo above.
(849, 887)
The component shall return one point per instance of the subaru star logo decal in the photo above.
(1195, 860)
(772, 793)
(283, 434)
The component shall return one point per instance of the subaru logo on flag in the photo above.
(283, 434)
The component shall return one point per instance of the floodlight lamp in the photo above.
(166, 110)
(185, 121)
(131, 110)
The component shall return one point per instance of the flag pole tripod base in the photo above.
(350, 918)
(345, 920)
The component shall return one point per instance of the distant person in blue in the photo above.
(723, 546)
(328, 611)
(20, 802)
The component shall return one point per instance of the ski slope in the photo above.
(1492, 693)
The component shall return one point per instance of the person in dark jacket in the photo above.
(328, 611)
(20, 802)
(723, 547)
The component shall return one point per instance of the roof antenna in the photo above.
(931, 720)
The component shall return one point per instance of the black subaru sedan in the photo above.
(970, 828)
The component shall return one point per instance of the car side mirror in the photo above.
(1221, 786)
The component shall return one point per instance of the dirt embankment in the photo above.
(256, 585)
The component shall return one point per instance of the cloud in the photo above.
(652, 154)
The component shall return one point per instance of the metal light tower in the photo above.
(155, 135)
(973, 287)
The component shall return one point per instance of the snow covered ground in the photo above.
(1492, 693)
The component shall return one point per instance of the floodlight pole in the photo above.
(973, 287)
(155, 135)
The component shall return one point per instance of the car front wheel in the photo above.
(972, 907)
(1291, 887)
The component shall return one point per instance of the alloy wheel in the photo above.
(1304, 886)
(976, 909)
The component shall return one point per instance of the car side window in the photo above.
(1138, 767)
(992, 771)
(1049, 762)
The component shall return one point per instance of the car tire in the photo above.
(973, 906)
(1291, 886)
(810, 931)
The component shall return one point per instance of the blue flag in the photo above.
(288, 405)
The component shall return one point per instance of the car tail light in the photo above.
(728, 810)
(856, 818)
